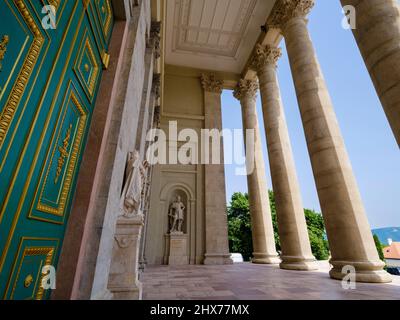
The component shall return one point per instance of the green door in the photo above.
(50, 72)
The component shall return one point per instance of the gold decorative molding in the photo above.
(265, 55)
(88, 81)
(246, 89)
(109, 18)
(23, 77)
(211, 84)
(105, 9)
(64, 152)
(3, 48)
(73, 159)
(106, 60)
(28, 281)
(285, 10)
(54, 3)
(93, 78)
(48, 252)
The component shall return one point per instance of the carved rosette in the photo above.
(155, 38)
(211, 84)
(124, 241)
(265, 55)
(246, 89)
(285, 10)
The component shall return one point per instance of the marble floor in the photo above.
(245, 281)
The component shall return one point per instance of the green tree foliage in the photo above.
(379, 248)
(239, 222)
(239, 225)
(317, 234)
(274, 220)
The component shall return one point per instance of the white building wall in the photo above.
(122, 136)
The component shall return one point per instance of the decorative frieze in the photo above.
(155, 38)
(211, 84)
(157, 116)
(265, 55)
(246, 89)
(156, 87)
(285, 10)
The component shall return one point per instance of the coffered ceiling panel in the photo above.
(214, 34)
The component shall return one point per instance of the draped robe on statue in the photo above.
(131, 194)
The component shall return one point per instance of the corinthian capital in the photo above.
(211, 84)
(246, 89)
(285, 10)
(265, 55)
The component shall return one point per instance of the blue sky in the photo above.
(370, 143)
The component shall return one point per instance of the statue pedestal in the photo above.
(176, 244)
(123, 279)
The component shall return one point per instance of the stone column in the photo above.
(293, 234)
(216, 224)
(260, 211)
(348, 230)
(377, 34)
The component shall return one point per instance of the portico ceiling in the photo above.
(214, 34)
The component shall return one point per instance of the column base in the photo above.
(217, 259)
(103, 295)
(131, 293)
(263, 258)
(370, 272)
(298, 263)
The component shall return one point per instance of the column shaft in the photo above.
(217, 245)
(377, 34)
(261, 219)
(293, 233)
(348, 230)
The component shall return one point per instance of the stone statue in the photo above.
(176, 214)
(144, 170)
(134, 181)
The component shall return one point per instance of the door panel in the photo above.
(49, 82)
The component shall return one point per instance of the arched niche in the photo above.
(167, 196)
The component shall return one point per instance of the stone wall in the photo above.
(184, 103)
(128, 101)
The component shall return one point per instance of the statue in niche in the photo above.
(176, 215)
(134, 182)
